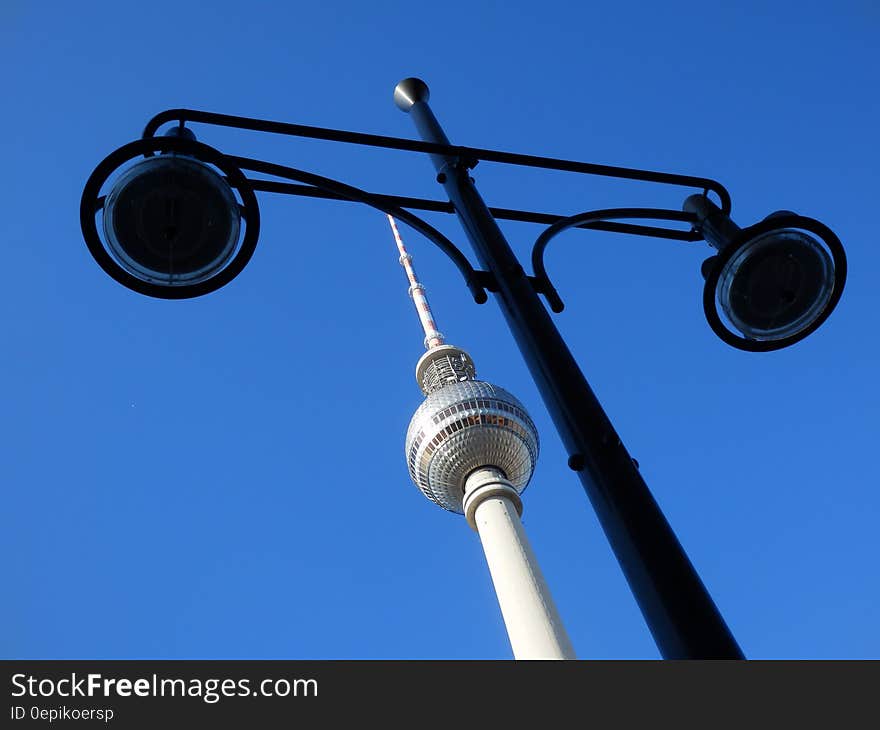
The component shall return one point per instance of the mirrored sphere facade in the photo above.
(464, 426)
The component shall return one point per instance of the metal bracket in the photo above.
(487, 280)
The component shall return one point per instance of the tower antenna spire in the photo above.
(433, 338)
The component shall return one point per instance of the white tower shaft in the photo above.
(432, 337)
(534, 627)
(474, 433)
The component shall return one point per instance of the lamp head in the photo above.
(171, 221)
(775, 282)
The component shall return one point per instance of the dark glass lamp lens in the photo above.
(776, 285)
(171, 220)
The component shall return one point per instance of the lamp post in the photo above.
(679, 611)
(173, 229)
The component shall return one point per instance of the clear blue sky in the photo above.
(224, 477)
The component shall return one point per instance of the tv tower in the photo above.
(471, 448)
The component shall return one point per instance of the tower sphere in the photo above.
(464, 426)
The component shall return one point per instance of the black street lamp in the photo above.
(172, 225)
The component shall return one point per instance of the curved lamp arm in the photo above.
(593, 216)
(353, 193)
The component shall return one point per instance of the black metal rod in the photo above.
(523, 216)
(469, 155)
(680, 614)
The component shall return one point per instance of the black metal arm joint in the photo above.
(487, 280)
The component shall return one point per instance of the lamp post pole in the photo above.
(680, 613)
